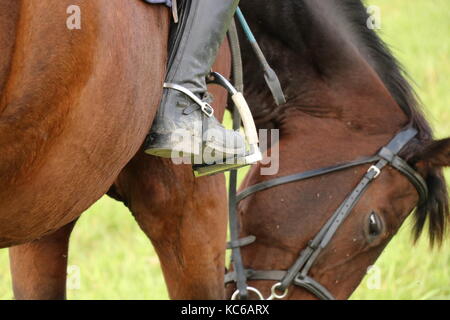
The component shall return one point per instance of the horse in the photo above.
(347, 97)
(75, 108)
(135, 184)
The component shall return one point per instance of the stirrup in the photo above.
(253, 155)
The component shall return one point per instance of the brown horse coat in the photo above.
(75, 105)
(90, 96)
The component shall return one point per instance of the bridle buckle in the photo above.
(207, 109)
(376, 169)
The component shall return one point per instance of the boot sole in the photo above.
(163, 153)
(167, 153)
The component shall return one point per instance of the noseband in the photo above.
(297, 274)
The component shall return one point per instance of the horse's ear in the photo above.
(436, 154)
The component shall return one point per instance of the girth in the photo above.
(297, 274)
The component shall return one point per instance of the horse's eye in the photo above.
(375, 225)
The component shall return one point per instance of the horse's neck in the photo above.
(9, 16)
(321, 67)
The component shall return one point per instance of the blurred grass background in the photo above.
(116, 260)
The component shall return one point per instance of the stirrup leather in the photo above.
(204, 106)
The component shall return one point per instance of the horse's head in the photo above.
(296, 218)
(328, 227)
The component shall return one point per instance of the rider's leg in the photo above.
(194, 45)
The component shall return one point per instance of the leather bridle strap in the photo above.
(236, 257)
(298, 273)
(389, 153)
(401, 165)
(302, 176)
(236, 243)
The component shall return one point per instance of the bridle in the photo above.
(297, 274)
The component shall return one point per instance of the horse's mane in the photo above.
(377, 53)
(391, 72)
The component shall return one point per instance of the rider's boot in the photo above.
(185, 124)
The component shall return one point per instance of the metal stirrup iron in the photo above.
(251, 135)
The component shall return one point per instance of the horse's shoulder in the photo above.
(9, 17)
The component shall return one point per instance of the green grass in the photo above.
(116, 261)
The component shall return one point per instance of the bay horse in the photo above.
(347, 97)
(75, 108)
(39, 267)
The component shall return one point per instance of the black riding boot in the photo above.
(185, 125)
